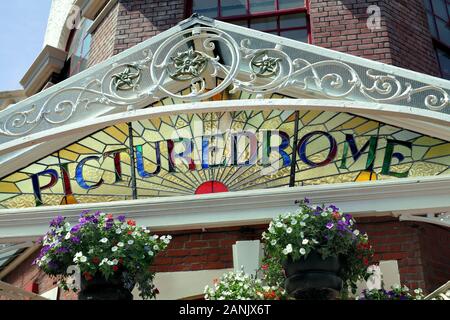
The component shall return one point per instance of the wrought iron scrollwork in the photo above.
(177, 59)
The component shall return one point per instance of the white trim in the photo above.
(444, 222)
(226, 105)
(423, 195)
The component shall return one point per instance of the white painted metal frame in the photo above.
(231, 105)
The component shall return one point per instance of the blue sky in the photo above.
(22, 31)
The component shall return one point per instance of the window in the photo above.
(438, 14)
(78, 48)
(286, 18)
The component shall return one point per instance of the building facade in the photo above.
(359, 88)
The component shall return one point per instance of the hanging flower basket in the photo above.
(320, 250)
(108, 256)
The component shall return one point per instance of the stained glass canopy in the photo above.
(223, 152)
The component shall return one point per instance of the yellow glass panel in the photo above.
(117, 134)
(355, 122)
(80, 149)
(68, 155)
(367, 127)
(310, 116)
(366, 176)
(18, 176)
(427, 141)
(438, 151)
(8, 187)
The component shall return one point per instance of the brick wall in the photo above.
(139, 20)
(394, 240)
(434, 242)
(197, 250)
(402, 40)
(103, 38)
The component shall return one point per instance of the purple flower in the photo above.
(333, 207)
(84, 213)
(329, 225)
(318, 211)
(62, 250)
(75, 229)
(57, 221)
(121, 218)
(75, 239)
(45, 249)
(306, 200)
(109, 225)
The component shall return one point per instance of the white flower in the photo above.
(91, 251)
(115, 261)
(102, 214)
(302, 234)
(150, 253)
(147, 231)
(83, 259)
(123, 226)
(78, 255)
(324, 214)
(67, 237)
(118, 231)
(315, 241)
(279, 225)
(293, 222)
(305, 241)
(130, 242)
(156, 247)
(155, 236)
(288, 249)
(356, 232)
(105, 260)
(104, 240)
(302, 251)
(289, 230)
(120, 244)
(110, 263)
(273, 242)
(114, 249)
(302, 224)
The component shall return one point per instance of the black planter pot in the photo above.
(313, 278)
(98, 288)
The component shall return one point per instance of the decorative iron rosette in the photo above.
(190, 56)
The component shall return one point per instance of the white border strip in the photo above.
(388, 197)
